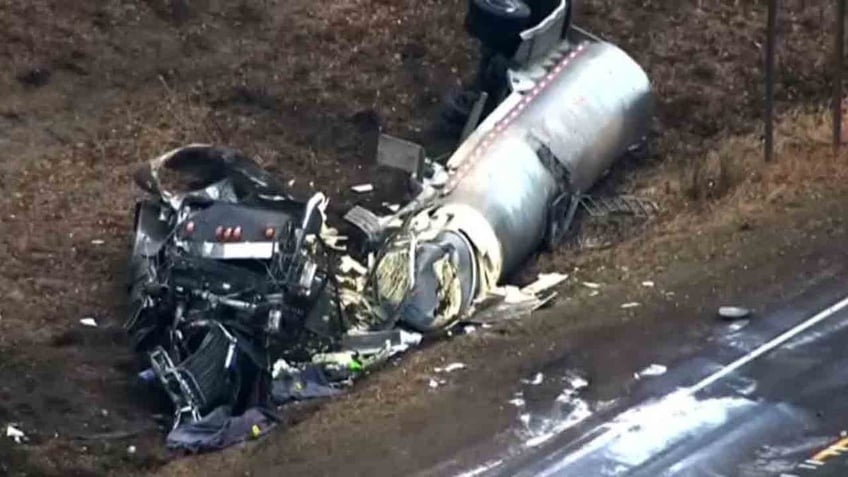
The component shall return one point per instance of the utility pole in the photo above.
(770, 53)
(838, 60)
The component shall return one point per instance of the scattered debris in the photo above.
(333, 240)
(518, 401)
(363, 188)
(131, 450)
(538, 379)
(98, 242)
(90, 322)
(349, 265)
(593, 286)
(632, 304)
(450, 368)
(15, 434)
(594, 293)
(435, 383)
(651, 371)
(575, 381)
(392, 207)
(300, 384)
(733, 312)
(568, 410)
(648, 284)
(369, 343)
(545, 282)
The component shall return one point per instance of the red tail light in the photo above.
(219, 233)
(237, 234)
(270, 232)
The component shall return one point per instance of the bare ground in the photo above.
(90, 89)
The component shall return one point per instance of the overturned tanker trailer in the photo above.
(568, 113)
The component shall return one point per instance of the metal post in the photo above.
(770, 53)
(838, 59)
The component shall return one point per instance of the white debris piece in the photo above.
(16, 434)
(575, 381)
(594, 293)
(131, 450)
(392, 207)
(518, 402)
(514, 295)
(408, 339)
(652, 370)
(280, 366)
(537, 380)
(91, 322)
(363, 188)
(544, 282)
(451, 368)
(632, 304)
(592, 285)
(433, 383)
(331, 237)
(350, 265)
(648, 284)
(98, 242)
(468, 329)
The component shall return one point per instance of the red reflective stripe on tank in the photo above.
(510, 117)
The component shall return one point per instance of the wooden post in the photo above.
(770, 53)
(838, 60)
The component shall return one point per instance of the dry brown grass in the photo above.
(731, 182)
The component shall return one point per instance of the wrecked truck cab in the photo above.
(226, 270)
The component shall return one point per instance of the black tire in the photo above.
(497, 23)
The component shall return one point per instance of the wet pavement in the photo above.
(758, 397)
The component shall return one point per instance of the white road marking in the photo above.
(615, 432)
(771, 345)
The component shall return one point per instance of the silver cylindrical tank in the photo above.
(585, 110)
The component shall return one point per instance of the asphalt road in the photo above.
(767, 397)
